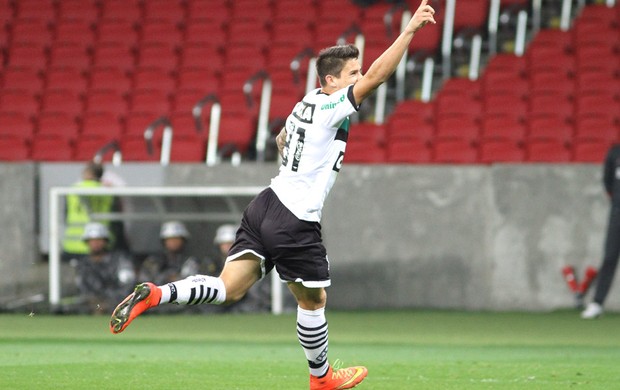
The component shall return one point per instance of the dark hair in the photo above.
(96, 170)
(331, 60)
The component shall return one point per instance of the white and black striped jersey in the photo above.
(316, 137)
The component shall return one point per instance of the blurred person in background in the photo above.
(78, 210)
(607, 270)
(174, 261)
(258, 297)
(103, 276)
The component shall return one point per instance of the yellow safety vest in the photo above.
(78, 213)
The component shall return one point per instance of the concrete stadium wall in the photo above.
(18, 254)
(462, 237)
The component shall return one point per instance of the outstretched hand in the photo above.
(422, 16)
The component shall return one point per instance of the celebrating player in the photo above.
(280, 227)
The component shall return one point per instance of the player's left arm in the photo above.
(383, 67)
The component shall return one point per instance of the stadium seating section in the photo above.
(76, 74)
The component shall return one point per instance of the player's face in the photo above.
(351, 73)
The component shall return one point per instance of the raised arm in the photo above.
(383, 67)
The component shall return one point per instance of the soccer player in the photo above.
(280, 227)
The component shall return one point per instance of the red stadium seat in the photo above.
(83, 10)
(26, 79)
(551, 104)
(72, 79)
(503, 127)
(212, 10)
(155, 31)
(50, 148)
(188, 148)
(114, 55)
(202, 80)
(86, 147)
(453, 105)
(364, 153)
(510, 63)
(148, 100)
(201, 57)
(42, 11)
(549, 127)
(201, 32)
(114, 79)
(501, 151)
(105, 100)
(168, 10)
(510, 105)
(15, 124)
(236, 132)
(594, 104)
(117, 32)
(184, 125)
(367, 132)
(470, 13)
(101, 125)
(14, 149)
(134, 148)
(137, 123)
(30, 31)
(69, 55)
(27, 56)
(562, 40)
(20, 101)
(591, 151)
(416, 108)
(459, 126)
(409, 128)
(157, 56)
(414, 151)
(596, 128)
(504, 82)
(121, 10)
(154, 79)
(547, 151)
(57, 125)
(454, 151)
(76, 32)
(460, 86)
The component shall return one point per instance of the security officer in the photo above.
(103, 276)
(173, 262)
(78, 210)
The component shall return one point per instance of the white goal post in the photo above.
(57, 194)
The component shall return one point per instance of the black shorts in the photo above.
(273, 233)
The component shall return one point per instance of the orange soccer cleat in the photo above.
(344, 378)
(143, 297)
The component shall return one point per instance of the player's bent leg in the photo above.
(144, 296)
(239, 275)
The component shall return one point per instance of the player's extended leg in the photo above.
(235, 280)
(313, 337)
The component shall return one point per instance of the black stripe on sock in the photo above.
(173, 292)
(192, 295)
(202, 293)
(207, 296)
(215, 292)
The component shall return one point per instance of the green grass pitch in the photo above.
(402, 350)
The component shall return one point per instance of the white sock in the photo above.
(194, 290)
(312, 335)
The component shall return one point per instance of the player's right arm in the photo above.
(383, 67)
